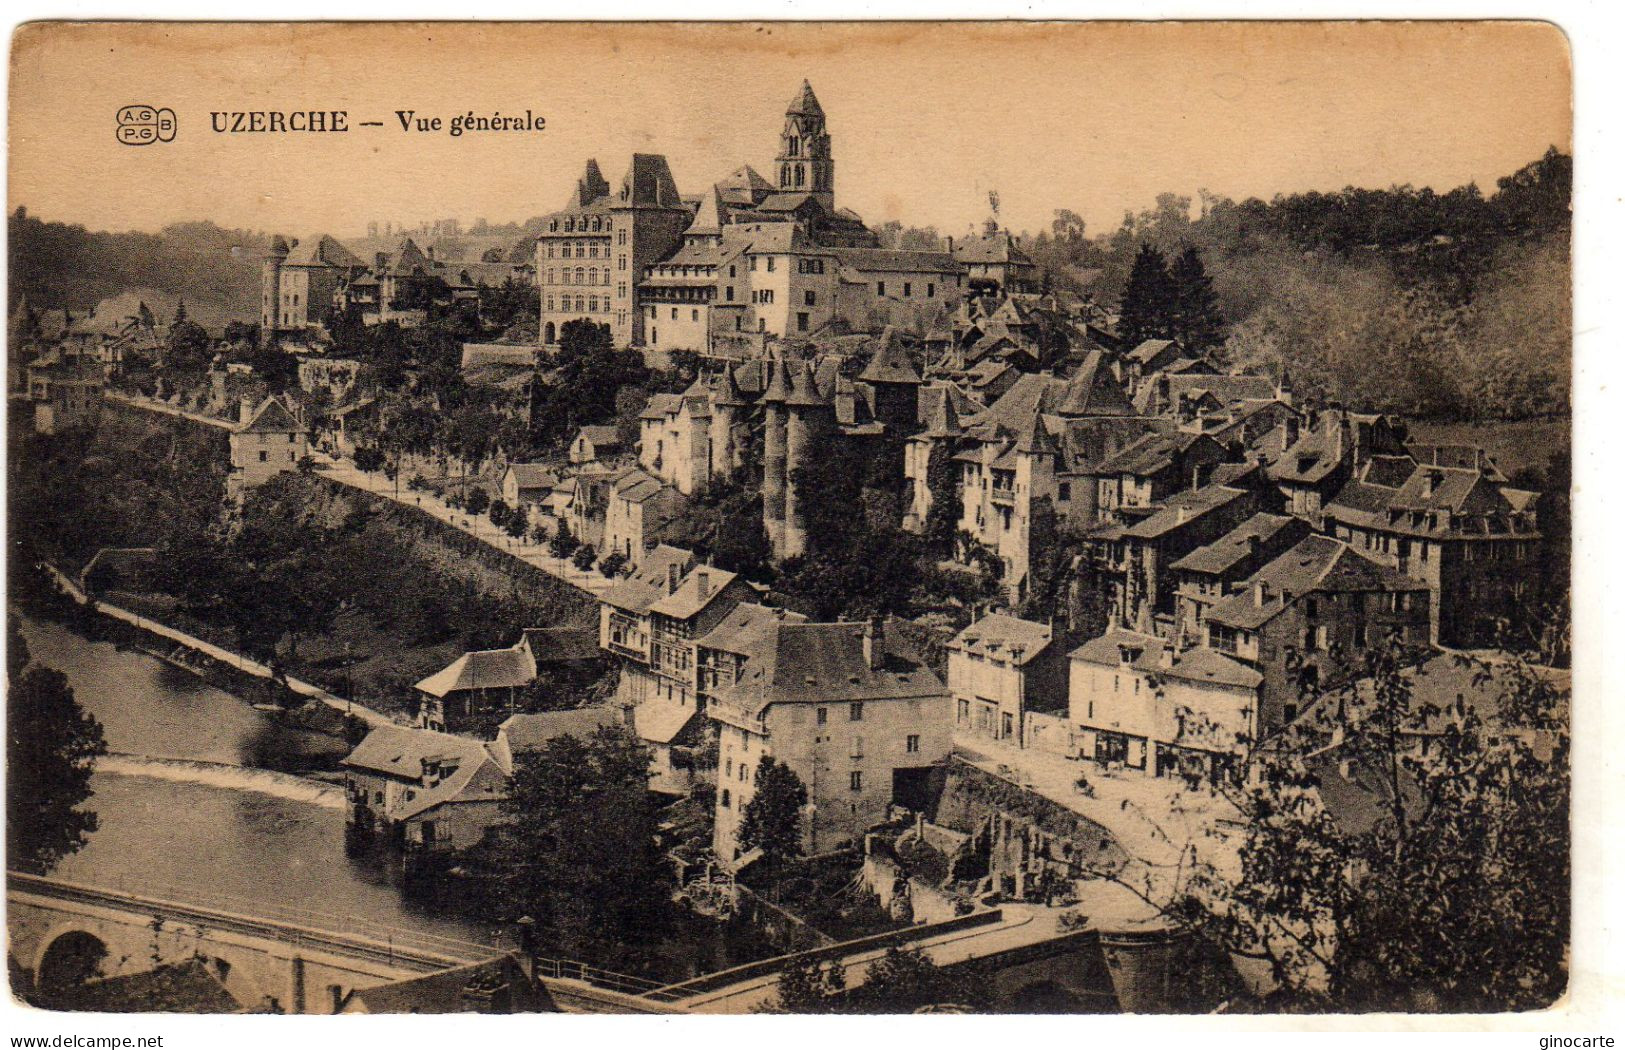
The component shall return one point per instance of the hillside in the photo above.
(215, 270)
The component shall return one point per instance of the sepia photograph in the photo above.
(789, 518)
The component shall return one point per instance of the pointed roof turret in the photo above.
(890, 363)
(708, 220)
(778, 383)
(804, 389)
(941, 416)
(1033, 438)
(806, 102)
(726, 393)
(590, 187)
(1093, 392)
(649, 184)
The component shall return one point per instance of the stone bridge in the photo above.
(1034, 963)
(62, 933)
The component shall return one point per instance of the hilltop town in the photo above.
(904, 557)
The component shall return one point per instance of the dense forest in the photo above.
(1442, 306)
(55, 265)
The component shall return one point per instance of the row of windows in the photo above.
(578, 251)
(908, 289)
(762, 296)
(596, 224)
(580, 304)
(580, 275)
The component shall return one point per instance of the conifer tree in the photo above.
(1197, 322)
(1146, 311)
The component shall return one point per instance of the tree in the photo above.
(809, 988)
(477, 501)
(1147, 307)
(942, 480)
(612, 564)
(772, 817)
(52, 745)
(582, 859)
(584, 557)
(518, 522)
(1197, 323)
(905, 981)
(564, 542)
(369, 459)
(1453, 893)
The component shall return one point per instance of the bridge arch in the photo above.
(68, 957)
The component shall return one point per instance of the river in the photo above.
(200, 820)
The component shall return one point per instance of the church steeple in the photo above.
(804, 163)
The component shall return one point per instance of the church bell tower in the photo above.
(804, 162)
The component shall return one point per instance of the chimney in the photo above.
(1291, 426)
(672, 578)
(1254, 544)
(704, 583)
(874, 642)
(1165, 659)
(1430, 482)
(1261, 593)
(245, 410)
(950, 245)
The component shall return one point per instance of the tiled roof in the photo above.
(1315, 564)
(823, 663)
(526, 733)
(1184, 509)
(1149, 350)
(1233, 547)
(323, 251)
(549, 645)
(648, 584)
(689, 599)
(1091, 391)
(400, 751)
(998, 634)
(482, 669)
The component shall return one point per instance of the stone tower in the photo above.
(647, 219)
(804, 162)
(271, 287)
(809, 413)
(773, 456)
(728, 405)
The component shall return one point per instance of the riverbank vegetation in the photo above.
(51, 749)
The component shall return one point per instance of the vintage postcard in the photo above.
(807, 518)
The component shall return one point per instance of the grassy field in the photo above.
(1513, 445)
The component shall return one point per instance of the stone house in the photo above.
(852, 711)
(1305, 620)
(1137, 703)
(1000, 669)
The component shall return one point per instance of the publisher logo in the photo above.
(144, 125)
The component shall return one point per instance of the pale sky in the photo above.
(925, 118)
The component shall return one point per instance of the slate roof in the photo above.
(687, 601)
(1229, 550)
(648, 184)
(745, 626)
(1225, 389)
(891, 363)
(1150, 454)
(662, 721)
(1149, 350)
(896, 260)
(1315, 564)
(823, 663)
(323, 251)
(1001, 635)
(442, 992)
(1195, 665)
(553, 645)
(482, 669)
(1091, 391)
(399, 751)
(534, 475)
(272, 417)
(648, 584)
(526, 733)
(602, 436)
(1184, 509)
(991, 248)
(805, 102)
